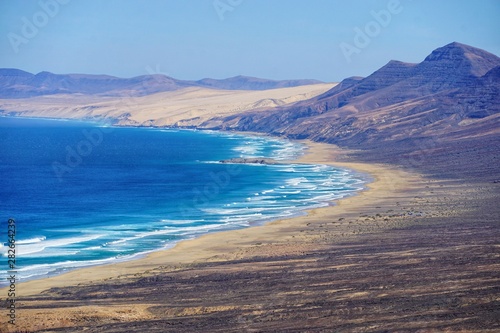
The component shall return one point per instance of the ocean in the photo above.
(84, 194)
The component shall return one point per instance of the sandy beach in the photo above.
(217, 246)
(394, 203)
(239, 243)
(241, 166)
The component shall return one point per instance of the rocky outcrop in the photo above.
(251, 160)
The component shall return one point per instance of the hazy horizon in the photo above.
(323, 40)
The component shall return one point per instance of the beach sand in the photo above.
(390, 257)
(216, 246)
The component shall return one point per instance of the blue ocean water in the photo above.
(85, 194)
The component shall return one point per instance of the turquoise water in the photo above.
(84, 194)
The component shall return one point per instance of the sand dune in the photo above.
(185, 107)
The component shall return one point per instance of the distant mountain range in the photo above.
(15, 83)
(453, 93)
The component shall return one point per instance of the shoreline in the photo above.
(293, 159)
(407, 239)
(141, 255)
(212, 245)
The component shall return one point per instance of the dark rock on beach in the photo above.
(257, 160)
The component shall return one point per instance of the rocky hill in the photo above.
(453, 93)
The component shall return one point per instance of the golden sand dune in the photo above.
(186, 107)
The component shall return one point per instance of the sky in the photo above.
(326, 40)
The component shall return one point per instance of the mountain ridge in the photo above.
(454, 83)
(16, 83)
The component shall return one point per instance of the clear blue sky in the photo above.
(276, 39)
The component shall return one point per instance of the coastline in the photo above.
(233, 243)
(406, 240)
(288, 159)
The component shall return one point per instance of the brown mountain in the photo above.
(15, 83)
(450, 97)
